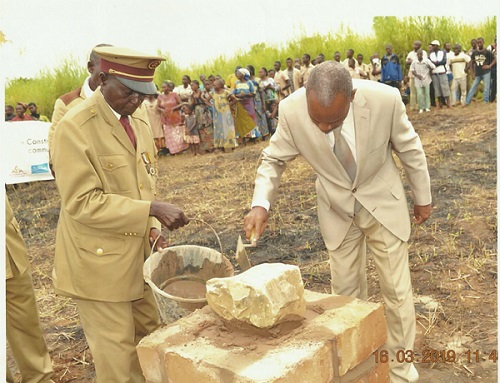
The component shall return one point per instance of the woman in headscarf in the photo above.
(245, 117)
(224, 131)
(260, 106)
(169, 104)
(21, 113)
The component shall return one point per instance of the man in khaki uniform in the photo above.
(21, 317)
(106, 171)
(73, 98)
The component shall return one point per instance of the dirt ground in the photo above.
(452, 256)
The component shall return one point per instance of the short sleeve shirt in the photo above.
(481, 58)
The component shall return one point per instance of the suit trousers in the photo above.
(113, 330)
(24, 334)
(348, 265)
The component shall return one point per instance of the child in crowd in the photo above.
(405, 90)
(192, 133)
(355, 71)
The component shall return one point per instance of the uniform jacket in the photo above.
(15, 249)
(381, 128)
(106, 187)
(62, 105)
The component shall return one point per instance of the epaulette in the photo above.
(70, 96)
(83, 115)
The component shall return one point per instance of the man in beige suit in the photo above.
(106, 171)
(21, 317)
(348, 130)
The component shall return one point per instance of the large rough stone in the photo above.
(262, 296)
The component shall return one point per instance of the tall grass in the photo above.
(399, 32)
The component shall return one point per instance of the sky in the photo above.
(41, 34)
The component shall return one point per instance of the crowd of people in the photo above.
(19, 113)
(245, 106)
(223, 114)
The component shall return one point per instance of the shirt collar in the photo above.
(117, 115)
(86, 88)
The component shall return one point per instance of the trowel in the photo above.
(241, 254)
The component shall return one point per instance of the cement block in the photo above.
(333, 343)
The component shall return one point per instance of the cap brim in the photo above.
(138, 86)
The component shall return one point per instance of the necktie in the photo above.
(343, 152)
(128, 129)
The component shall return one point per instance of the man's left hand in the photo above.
(421, 213)
(161, 244)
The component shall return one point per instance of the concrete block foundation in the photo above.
(332, 344)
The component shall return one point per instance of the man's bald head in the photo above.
(328, 80)
(329, 94)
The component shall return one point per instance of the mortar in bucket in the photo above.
(177, 276)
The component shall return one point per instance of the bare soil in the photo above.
(452, 256)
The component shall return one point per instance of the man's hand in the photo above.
(169, 215)
(155, 234)
(255, 223)
(421, 213)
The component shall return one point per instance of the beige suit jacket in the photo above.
(15, 249)
(106, 188)
(381, 128)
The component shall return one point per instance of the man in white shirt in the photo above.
(375, 68)
(459, 63)
(439, 76)
(412, 56)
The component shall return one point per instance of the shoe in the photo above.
(427, 110)
(421, 111)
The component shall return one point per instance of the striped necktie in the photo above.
(343, 152)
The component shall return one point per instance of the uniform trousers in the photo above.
(113, 330)
(24, 334)
(348, 269)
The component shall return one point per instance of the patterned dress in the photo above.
(204, 121)
(245, 117)
(172, 128)
(261, 116)
(224, 130)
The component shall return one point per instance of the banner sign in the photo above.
(25, 151)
